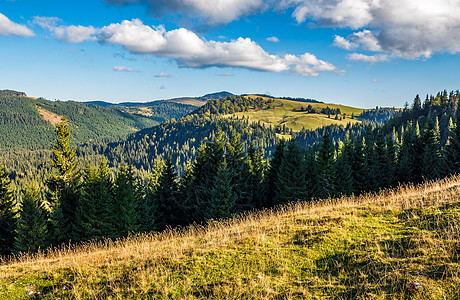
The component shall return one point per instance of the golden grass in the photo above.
(401, 243)
(288, 112)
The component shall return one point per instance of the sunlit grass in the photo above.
(398, 244)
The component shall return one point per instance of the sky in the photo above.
(362, 53)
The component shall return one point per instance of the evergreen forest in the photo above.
(203, 167)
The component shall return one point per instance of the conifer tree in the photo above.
(32, 222)
(358, 167)
(63, 185)
(235, 158)
(148, 207)
(7, 214)
(126, 201)
(223, 199)
(432, 165)
(291, 179)
(311, 174)
(95, 215)
(257, 170)
(326, 172)
(382, 165)
(168, 210)
(271, 178)
(453, 149)
(344, 178)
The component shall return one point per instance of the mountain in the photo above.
(28, 122)
(218, 96)
(397, 244)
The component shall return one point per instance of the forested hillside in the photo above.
(29, 123)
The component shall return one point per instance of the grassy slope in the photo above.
(288, 112)
(400, 244)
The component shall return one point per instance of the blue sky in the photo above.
(362, 53)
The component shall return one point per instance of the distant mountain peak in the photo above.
(217, 95)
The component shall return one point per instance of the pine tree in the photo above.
(257, 170)
(311, 174)
(7, 214)
(326, 172)
(63, 185)
(291, 180)
(223, 199)
(148, 207)
(236, 160)
(271, 178)
(358, 166)
(126, 201)
(32, 222)
(382, 165)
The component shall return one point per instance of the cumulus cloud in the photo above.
(9, 28)
(402, 28)
(273, 39)
(189, 50)
(210, 11)
(343, 43)
(122, 69)
(162, 74)
(368, 58)
(71, 34)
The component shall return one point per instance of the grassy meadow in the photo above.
(287, 112)
(402, 243)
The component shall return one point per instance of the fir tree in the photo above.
(148, 207)
(63, 185)
(432, 165)
(95, 215)
(358, 166)
(257, 170)
(271, 178)
(126, 201)
(453, 149)
(291, 179)
(326, 172)
(344, 178)
(7, 214)
(32, 223)
(168, 210)
(223, 199)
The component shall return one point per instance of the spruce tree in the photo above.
(63, 185)
(148, 207)
(326, 170)
(311, 174)
(32, 222)
(432, 165)
(271, 178)
(95, 215)
(223, 199)
(291, 180)
(168, 209)
(344, 178)
(126, 201)
(453, 149)
(7, 214)
(358, 166)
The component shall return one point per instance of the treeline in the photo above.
(325, 110)
(233, 104)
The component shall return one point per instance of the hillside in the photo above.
(28, 122)
(398, 244)
(294, 115)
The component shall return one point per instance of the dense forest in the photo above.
(23, 124)
(228, 174)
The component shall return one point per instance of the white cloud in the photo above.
(368, 58)
(75, 34)
(225, 74)
(122, 69)
(71, 34)
(340, 42)
(189, 50)
(402, 28)
(162, 87)
(162, 74)
(209, 11)
(273, 39)
(9, 28)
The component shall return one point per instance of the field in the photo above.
(398, 244)
(288, 113)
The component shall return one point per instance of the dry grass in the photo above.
(49, 116)
(397, 244)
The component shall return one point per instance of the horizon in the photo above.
(352, 53)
